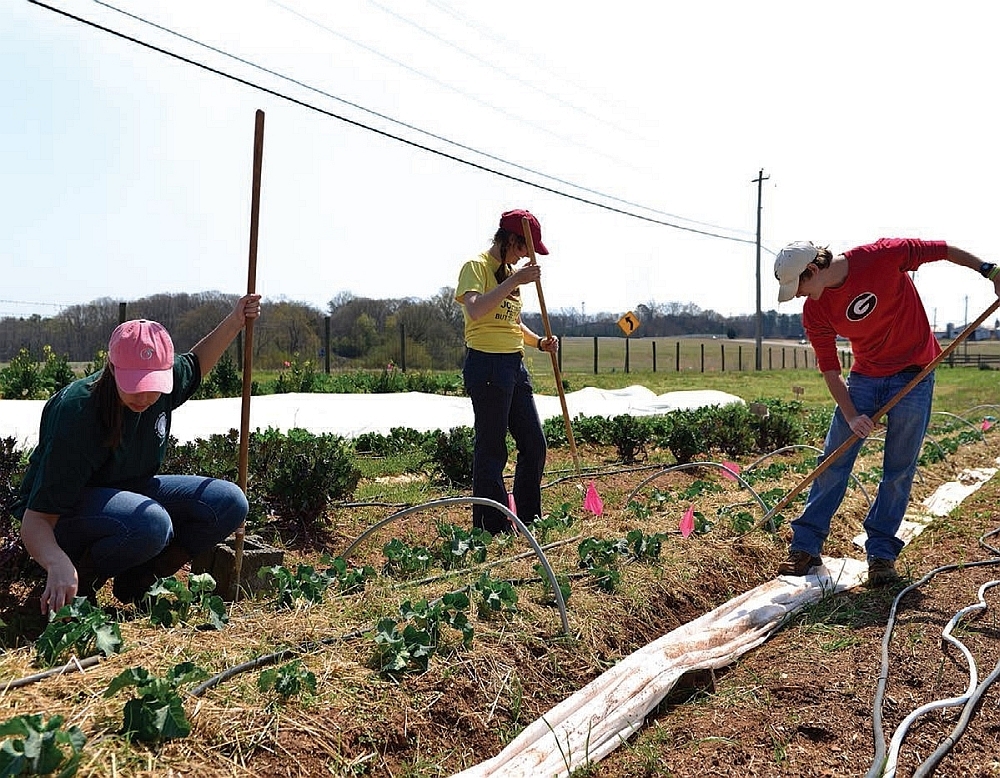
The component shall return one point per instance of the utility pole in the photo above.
(759, 180)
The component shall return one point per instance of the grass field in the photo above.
(728, 365)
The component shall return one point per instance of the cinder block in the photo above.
(220, 562)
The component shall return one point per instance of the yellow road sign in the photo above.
(629, 323)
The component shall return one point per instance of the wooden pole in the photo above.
(258, 158)
(526, 229)
(878, 415)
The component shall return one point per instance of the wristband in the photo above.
(539, 345)
(993, 273)
(987, 270)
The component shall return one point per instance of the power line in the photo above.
(506, 112)
(383, 133)
(473, 56)
(512, 44)
(401, 123)
(31, 302)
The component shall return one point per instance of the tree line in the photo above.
(354, 332)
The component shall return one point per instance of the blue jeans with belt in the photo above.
(906, 424)
(124, 528)
(502, 400)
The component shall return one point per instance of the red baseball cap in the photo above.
(511, 221)
(143, 356)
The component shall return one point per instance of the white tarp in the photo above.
(594, 721)
(350, 415)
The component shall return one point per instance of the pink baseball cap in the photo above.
(511, 221)
(143, 356)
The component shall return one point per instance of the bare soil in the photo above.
(802, 704)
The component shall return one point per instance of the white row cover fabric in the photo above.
(350, 415)
(590, 724)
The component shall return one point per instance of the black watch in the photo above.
(986, 268)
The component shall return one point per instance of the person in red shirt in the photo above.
(867, 296)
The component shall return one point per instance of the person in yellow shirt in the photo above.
(495, 376)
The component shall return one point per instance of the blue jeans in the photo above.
(123, 529)
(906, 425)
(502, 400)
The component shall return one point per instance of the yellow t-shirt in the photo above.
(498, 332)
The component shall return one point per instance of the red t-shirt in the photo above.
(877, 308)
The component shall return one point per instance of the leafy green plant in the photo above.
(174, 602)
(289, 680)
(78, 628)
(559, 517)
(157, 712)
(494, 596)
(303, 473)
(304, 584)
(600, 558)
(461, 545)
(224, 380)
(629, 435)
(562, 580)
(591, 429)
(696, 489)
(450, 456)
(349, 579)
(399, 440)
(22, 378)
(638, 510)
(408, 645)
(405, 560)
(55, 370)
(683, 438)
(554, 429)
(301, 376)
(33, 746)
(644, 548)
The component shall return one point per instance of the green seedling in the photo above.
(78, 628)
(33, 746)
(304, 584)
(157, 713)
(287, 681)
(494, 596)
(175, 602)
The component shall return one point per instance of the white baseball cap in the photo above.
(789, 264)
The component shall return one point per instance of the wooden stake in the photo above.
(258, 158)
(526, 229)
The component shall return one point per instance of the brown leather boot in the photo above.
(131, 585)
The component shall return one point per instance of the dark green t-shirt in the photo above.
(71, 451)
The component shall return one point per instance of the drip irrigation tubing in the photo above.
(74, 665)
(270, 659)
(884, 763)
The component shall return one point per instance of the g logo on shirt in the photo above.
(861, 306)
(161, 426)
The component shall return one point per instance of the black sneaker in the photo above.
(882, 572)
(799, 563)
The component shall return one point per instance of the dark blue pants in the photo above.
(502, 400)
(126, 528)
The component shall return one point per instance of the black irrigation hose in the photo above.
(270, 659)
(71, 666)
(879, 763)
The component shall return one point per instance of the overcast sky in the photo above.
(127, 172)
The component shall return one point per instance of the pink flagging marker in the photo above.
(592, 501)
(687, 523)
